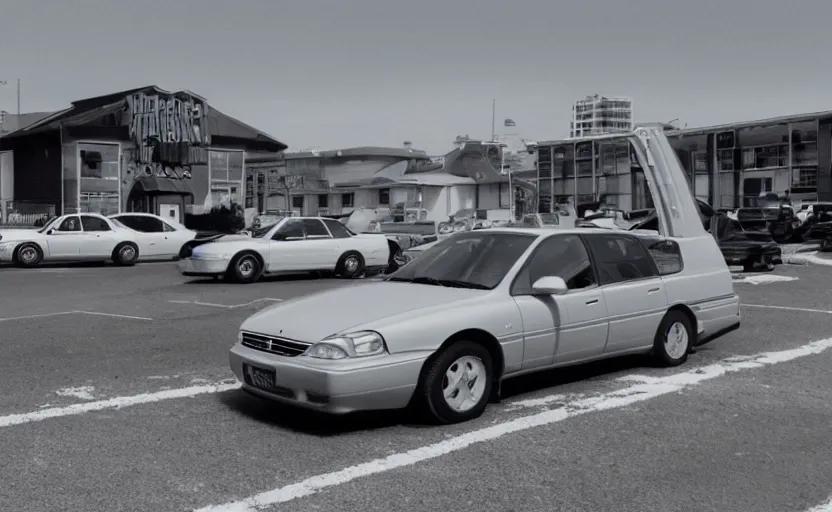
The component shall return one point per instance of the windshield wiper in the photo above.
(452, 283)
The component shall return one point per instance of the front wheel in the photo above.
(350, 265)
(28, 255)
(674, 339)
(457, 384)
(244, 268)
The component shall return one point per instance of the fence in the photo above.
(25, 214)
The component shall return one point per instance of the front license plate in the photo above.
(260, 377)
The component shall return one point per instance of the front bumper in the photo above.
(337, 387)
(202, 267)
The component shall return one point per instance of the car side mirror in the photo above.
(50, 232)
(549, 285)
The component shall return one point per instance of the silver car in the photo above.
(446, 329)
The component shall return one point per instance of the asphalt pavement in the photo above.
(116, 396)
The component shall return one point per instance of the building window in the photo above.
(297, 202)
(99, 172)
(323, 201)
(347, 200)
(226, 177)
(384, 196)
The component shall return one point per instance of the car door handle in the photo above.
(591, 302)
(653, 290)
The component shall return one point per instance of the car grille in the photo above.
(278, 346)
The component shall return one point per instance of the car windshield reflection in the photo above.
(477, 259)
(261, 232)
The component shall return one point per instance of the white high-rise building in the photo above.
(598, 114)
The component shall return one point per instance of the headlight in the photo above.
(342, 346)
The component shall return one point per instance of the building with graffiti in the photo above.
(146, 150)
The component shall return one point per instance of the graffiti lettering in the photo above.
(164, 119)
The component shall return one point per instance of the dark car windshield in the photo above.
(477, 259)
(261, 232)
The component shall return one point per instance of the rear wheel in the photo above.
(28, 255)
(674, 339)
(126, 254)
(456, 385)
(244, 268)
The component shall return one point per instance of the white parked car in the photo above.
(482, 306)
(75, 237)
(160, 238)
(294, 244)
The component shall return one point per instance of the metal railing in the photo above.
(25, 214)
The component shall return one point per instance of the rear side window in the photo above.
(666, 254)
(141, 223)
(94, 224)
(620, 258)
(337, 229)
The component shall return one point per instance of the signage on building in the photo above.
(167, 119)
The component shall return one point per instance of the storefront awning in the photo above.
(157, 185)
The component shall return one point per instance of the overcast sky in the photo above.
(340, 73)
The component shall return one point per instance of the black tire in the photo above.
(244, 268)
(28, 255)
(350, 265)
(430, 393)
(126, 254)
(824, 245)
(748, 265)
(665, 355)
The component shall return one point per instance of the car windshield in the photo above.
(477, 259)
(261, 232)
(49, 224)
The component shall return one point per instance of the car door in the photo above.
(98, 240)
(65, 240)
(323, 247)
(173, 239)
(633, 289)
(561, 328)
(152, 239)
(287, 250)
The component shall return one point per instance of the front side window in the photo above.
(94, 224)
(291, 229)
(478, 259)
(72, 223)
(563, 256)
(620, 258)
(315, 228)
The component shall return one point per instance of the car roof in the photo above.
(558, 231)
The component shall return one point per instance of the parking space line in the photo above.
(42, 315)
(225, 306)
(601, 402)
(823, 507)
(114, 315)
(787, 308)
(117, 403)
(74, 312)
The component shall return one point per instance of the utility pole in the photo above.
(4, 82)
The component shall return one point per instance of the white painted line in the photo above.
(46, 315)
(225, 306)
(806, 258)
(80, 392)
(116, 403)
(543, 401)
(757, 279)
(114, 315)
(29, 317)
(787, 308)
(601, 402)
(823, 507)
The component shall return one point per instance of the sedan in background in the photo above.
(294, 244)
(75, 237)
(159, 238)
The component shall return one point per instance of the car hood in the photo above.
(314, 317)
(9, 235)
